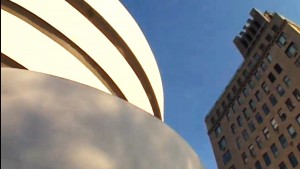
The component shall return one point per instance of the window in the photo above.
(274, 124)
(265, 88)
(278, 68)
(274, 150)
(222, 144)
(229, 115)
(245, 135)
(238, 142)
(226, 157)
(267, 159)
(266, 133)
(297, 62)
(282, 166)
(218, 130)
(271, 77)
(269, 58)
(246, 114)
(291, 50)
(229, 97)
(234, 107)
(283, 141)
(273, 100)
(281, 40)
(298, 119)
(258, 118)
(292, 131)
(293, 160)
(246, 92)
(258, 165)
(280, 90)
(287, 81)
(251, 83)
(240, 100)
(245, 158)
(264, 66)
(250, 65)
(252, 105)
(240, 121)
(252, 151)
(258, 96)
(258, 142)
(233, 128)
(282, 115)
(296, 93)
(251, 126)
(257, 75)
(290, 105)
(245, 73)
(266, 109)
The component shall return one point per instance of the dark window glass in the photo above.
(222, 144)
(274, 150)
(293, 160)
(251, 126)
(257, 75)
(258, 118)
(229, 97)
(240, 121)
(245, 158)
(290, 105)
(275, 28)
(287, 81)
(266, 109)
(233, 128)
(252, 105)
(282, 115)
(238, 142)
(252, 151)
(291, 50)
(282, 166)
(278, 68)
(296, 93)
(258, 142)
(246, 91)
(245, 135)
(273, 100)
(258, 165)
(267, 159)
(281, 40)
(252, 83)
(283, 141)
(292, 131)
(246, 114)
(240, 100)
(280, 90)
(258, 95)
(226, 157)
(245, 73)
(265, 88)
(271, 77)
(266, 133)
(229, 115)
(213, 120)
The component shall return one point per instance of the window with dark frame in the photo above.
(240, 121)
(282, 40)
(292, 131)
(266, 159)
(289, 104)
(280, 90)
(273, 99)
(291, 51)
(266, 109)
(287, 81)
(245, 134)
(257, 75)
(283, 141)
(251, 126)
(258, 96)
(271, 77)
(222, 144)
(278, 68)
(258, 142)
(265, 88)
(274, 150)
(258, 165)
(293, 160)
(296, 94)
(233, 128)
(252, 105)
(226, 157)
(282, 166)
(297, 62)
(258, 118)
(264, 66)
(266, 133)
(244, 157)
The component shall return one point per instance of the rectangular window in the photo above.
(229, 115)
(257, 75)
(251, 83)
(271, 77)
(283, 141)
(265, 88)
(282, 115)
(293, 160)
(252, 151)
(297, 62)
(267, 159)
(266, 133)
(258, 142)
(246, 114)
(222, 144)
(246, 92)
(245, 73)
(238, 142)
(296, 93)
(258, 118)
(218, 130)
(282, 166)
(269, 58)
(292, 131)
(274, 124)
(258, 165)
(273, 100)
(245, 158)
(239, 120)
(281, 40)
(266, 109)
(245, 135)
(289, 104)
(252, 105)
(291, 50)
(233, 128)
(258, 95)
(287, 81)
(229, 97)
(280, 90)
(240, 100)
(278, 68)
(251, 126)
(274, 150)
(264, 66)
(226, 157)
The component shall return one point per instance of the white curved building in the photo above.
(94, 42)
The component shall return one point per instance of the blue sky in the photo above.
(192, 43)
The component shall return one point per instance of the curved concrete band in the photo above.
(50, 122)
